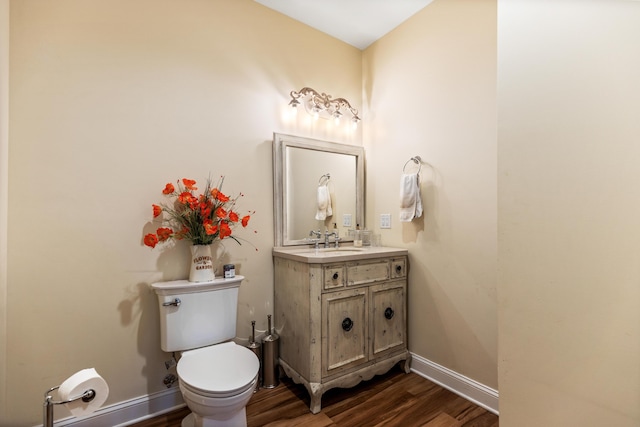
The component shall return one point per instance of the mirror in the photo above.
(300, 167)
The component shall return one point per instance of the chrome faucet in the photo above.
(336, 239)
(318, 236)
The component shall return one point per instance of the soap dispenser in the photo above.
(357, 237)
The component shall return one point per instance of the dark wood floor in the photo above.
(393, 399)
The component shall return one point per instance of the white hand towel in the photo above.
(410, 200)
(324, 203)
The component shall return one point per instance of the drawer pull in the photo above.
(335, 276)
(347, 324)
(388, 313)
(398, 269)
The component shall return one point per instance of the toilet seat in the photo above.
(221, 370)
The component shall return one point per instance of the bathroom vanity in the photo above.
(341, 314)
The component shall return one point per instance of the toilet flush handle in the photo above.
(176, 302)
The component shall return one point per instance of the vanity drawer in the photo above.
(364, 272)
(333, 276)
(398, 268)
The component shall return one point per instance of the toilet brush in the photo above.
(270, 357)
(256, 347)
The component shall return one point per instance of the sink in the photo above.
(331, 251)
(345, 249)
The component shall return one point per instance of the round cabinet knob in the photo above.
(347, 324)
(389, 313)
(398, 269)
(335, 276)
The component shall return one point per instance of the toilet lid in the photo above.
(218, 369)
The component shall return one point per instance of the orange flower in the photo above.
(189, 184)
(164, 233)
(221, 197)
(193, 203)
(150, 240)
(200, 217)
(221, 213)
(225, 230)
(205, 209)
(185, 197)
(168, 189)
(209, 228)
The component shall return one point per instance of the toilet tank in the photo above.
(198, 314)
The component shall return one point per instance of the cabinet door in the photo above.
(388, 317)
(344, 333)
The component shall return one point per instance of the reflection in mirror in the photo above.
(301, 166)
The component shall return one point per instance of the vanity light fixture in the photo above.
(321, 105)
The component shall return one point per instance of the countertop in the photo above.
(344, 253)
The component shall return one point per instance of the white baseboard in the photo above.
(130, 411)
(141, 408)
(471, 390)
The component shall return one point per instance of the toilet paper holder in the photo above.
(87, 396)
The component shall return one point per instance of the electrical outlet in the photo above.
(346, 220)
(385, 220)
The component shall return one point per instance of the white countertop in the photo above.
(344, 253)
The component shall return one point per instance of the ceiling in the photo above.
(357, 22)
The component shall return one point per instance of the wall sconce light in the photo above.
(321, 105)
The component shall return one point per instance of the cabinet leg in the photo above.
(405, 365)
(315, 393)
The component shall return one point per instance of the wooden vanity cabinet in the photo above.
(341, 319)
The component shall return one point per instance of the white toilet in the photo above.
(217, 377)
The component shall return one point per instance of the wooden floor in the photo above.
(393, 399)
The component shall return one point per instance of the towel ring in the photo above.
(415, 159)
(325, 177)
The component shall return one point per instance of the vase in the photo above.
(201, 264)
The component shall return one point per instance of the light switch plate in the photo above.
(385, 220)
(346, 220)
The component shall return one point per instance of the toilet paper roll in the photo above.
(77, 384)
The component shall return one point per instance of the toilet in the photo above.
(217, 377)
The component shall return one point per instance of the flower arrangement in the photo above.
(202, 219)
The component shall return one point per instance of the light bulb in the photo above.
(294, 106)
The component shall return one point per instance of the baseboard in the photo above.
(471, 390)
(141, 408)
(130, 411)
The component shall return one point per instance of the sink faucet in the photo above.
(336, 239)
(317, 235)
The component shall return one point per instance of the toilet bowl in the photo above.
(216, 383)
(216, 376)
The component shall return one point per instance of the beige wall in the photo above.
(430, 90)
(109, 101)
(4, 161)
(569, 206)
